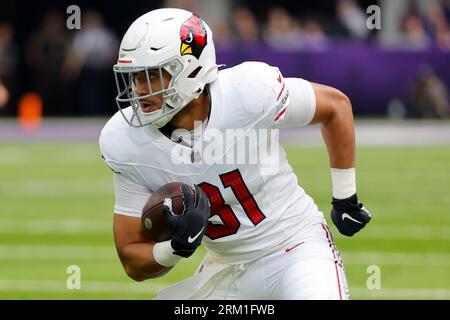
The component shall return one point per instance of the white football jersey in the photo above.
(255, 206)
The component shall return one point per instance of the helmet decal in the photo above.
(193, 36)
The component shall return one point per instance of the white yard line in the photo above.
(55, 226)
(406, 232)
(368, 133)
(396, 259)
(22, 158)
(86, 286)
(149, 287)
(380, 134)
(25, 252)
(401, 293)
(56, 188)
(97, 226)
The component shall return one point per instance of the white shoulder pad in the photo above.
(258, 89)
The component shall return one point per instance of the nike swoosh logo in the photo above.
(346, 215)
(190, 240)
(293, 247)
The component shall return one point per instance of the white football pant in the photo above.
(308, 266)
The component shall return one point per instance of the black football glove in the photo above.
(189, 227)
(349, 216)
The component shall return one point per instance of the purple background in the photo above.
(369, 75)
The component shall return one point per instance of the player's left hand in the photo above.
(349, 215)
(188, 228)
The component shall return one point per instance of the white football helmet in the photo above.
(174, 40)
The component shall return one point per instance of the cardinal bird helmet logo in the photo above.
(193, 36)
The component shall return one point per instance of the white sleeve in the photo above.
(130, 197)
(301, 107)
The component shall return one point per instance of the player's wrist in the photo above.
(182, 249)
(164, 254)
(343, 183)
(347, 203)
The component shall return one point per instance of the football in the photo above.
(153, 219)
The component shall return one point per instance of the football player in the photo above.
(265, 238)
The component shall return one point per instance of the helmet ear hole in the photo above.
(175, 101)
(194, 73)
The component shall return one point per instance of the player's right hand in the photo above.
(189, 227)
(349, 215)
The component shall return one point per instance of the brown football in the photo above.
(153, 219)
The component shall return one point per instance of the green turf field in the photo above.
(56, 210)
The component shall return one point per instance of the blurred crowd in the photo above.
(279, 25)
(286, 25)
(71, 70)
(425, 27)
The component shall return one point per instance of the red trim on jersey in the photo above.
(293, 247)
(124, 61)
(281, 91)
(279, 78)
(280, 113)
(335, 261)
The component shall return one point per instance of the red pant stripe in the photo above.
(335, 260)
